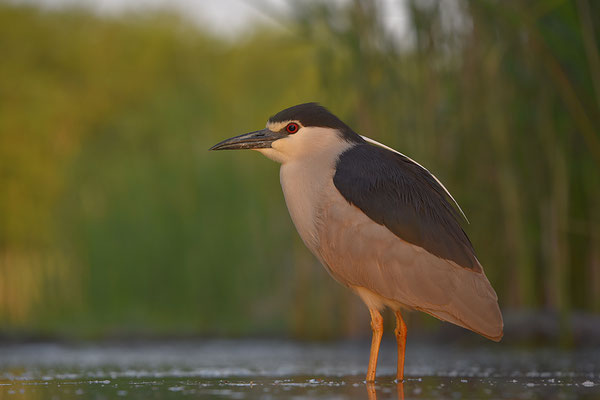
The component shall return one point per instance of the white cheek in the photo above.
(292, 146)
(273, 154)
(284, 148)
(304, 145)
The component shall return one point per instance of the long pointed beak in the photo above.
(254, 140)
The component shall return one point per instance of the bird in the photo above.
(380, 223)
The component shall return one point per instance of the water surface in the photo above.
(278, 369)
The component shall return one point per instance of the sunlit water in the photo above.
(275, 369)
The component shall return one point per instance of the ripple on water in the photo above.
(258, 369)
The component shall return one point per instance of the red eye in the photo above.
(292, 127)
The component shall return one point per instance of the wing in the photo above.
(361, 253)
(390, 229)
(376, 143)
(398, 193)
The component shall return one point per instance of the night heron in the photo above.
(380, 223)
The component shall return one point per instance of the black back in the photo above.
(313, 114)
(397, 193)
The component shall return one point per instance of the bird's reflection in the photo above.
(372, 393)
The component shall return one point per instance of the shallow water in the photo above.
(290, 370)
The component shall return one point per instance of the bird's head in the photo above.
(296, 133)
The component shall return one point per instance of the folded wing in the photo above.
(390, 229)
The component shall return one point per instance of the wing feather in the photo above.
(398, 193)
(376, 143)
(388, 227)
(361, 253)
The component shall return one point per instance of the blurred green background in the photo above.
(116, 221)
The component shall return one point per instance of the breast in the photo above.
(305, 188)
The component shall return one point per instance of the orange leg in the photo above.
(377, 327)
(401, 339)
